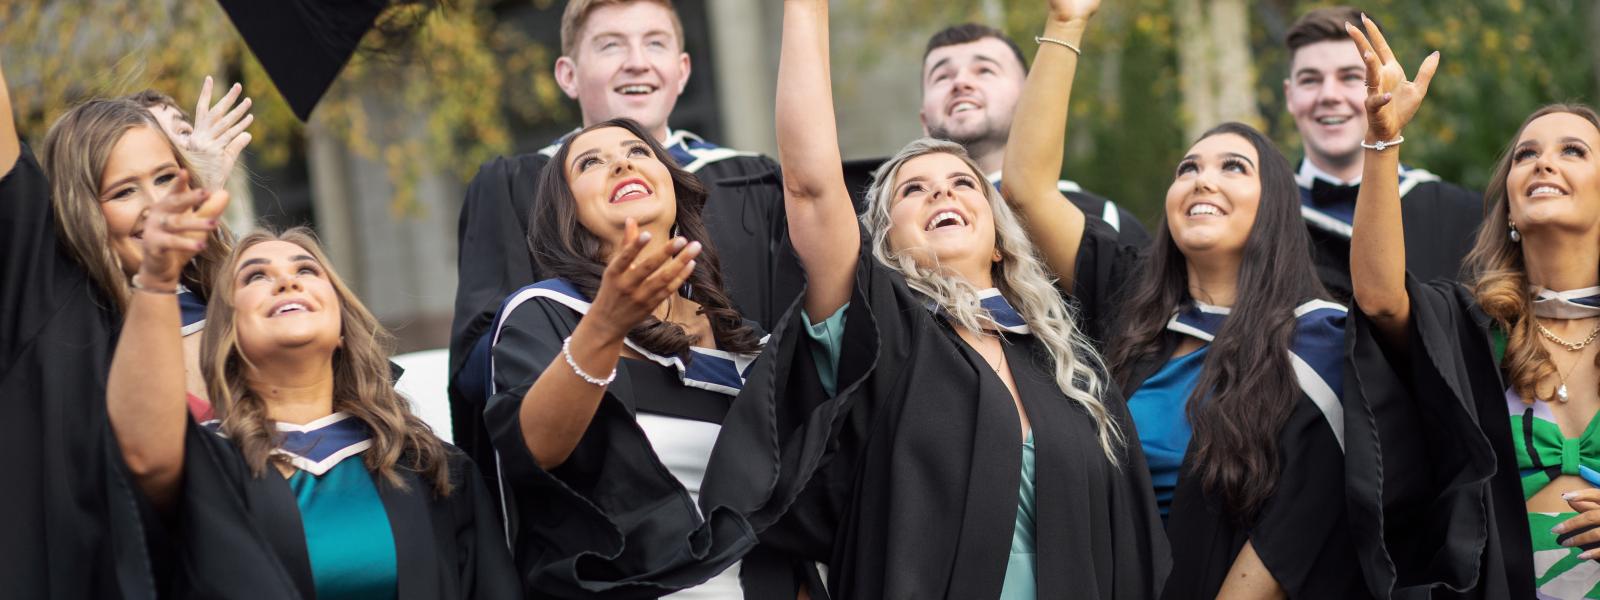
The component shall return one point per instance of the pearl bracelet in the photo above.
(1381, 145)
(566, 351)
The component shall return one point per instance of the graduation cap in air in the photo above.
(303, 44)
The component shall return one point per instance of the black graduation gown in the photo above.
(744, 215)
(70, 519)
(1433, 481)
(920, 499)
(235, 535)
(612, 522)
(1440, 219)
(1301, 533)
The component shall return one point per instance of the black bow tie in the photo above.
(1325, 193)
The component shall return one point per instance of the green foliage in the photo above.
(433, 98)
(1502, 59)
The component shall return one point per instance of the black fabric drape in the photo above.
(235, 535)
(1441, 223)
(71, 521)
(611, 521)
(1432, 473)
(920, 498)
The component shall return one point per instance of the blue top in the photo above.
(348, 538)
(1158, 413)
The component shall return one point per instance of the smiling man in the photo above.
(972, 77)
(1326, 94)
(619, 58)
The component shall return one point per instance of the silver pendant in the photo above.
(1561, 392)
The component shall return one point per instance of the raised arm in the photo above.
(558, 408)
(145, 390)
(10, 146)
(1377, 243)
(1033, 152)
(822, 222)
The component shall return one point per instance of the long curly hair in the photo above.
(74, 156)
(1500, 279)
(1247, 388)
(1020, 276)
(564, 248)
(361, 381)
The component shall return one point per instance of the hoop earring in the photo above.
(1516, 236)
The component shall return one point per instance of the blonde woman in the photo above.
(317, 479)
(985, 454)
(71, 244)
(1481, 398)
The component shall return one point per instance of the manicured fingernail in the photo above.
(1388, 97)
(211, 222)
(1569, 495)
(678, 243)
(1587, 555)
(694, 247)
(644, 237)
(1560, 527)
(691, 265)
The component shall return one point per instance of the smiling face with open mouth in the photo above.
(969, 91)
(628, 62)
(1212, 203)
(615, 175)
(940, 211)
(1554, 175)
(283, 302)
(140, 169)
(1326, 92)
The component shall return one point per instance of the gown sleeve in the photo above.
(482, 560)
(37, 275)
(1104, 265)
(1420, 457)
(493, 261)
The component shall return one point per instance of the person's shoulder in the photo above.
(710, 158)
(1422, 183)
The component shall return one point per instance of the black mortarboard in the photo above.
(303, 44)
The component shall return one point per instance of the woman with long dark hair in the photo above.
(640, 444)
(1478, 400)
(984, 454)
(317, 481)
(1223, 340)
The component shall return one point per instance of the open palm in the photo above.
(1391, 99)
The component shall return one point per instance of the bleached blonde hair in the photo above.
(1020, 276)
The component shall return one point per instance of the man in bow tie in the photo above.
(1325, 93)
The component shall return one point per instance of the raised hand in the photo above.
(219, 134)
(1071, 10)
(1391, 99)
(638, 280)
(176, 230)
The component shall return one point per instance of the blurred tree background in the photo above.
(1157, 72)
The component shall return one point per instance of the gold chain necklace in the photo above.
(1570, 346)
(1561, 390)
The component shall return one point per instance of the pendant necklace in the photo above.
(1561, 391)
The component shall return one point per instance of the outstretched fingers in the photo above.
(1379, 43)
(1430, 65)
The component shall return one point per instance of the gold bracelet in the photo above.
(135, 284)
(1039, 39)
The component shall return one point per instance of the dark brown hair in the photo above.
(1500, 276)
(562, 247)
(1247, 388)
(361, 380)
(1321, 25)
(967, 33)
(152, 99)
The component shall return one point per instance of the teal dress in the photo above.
(1020, 581)
(348, 537)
